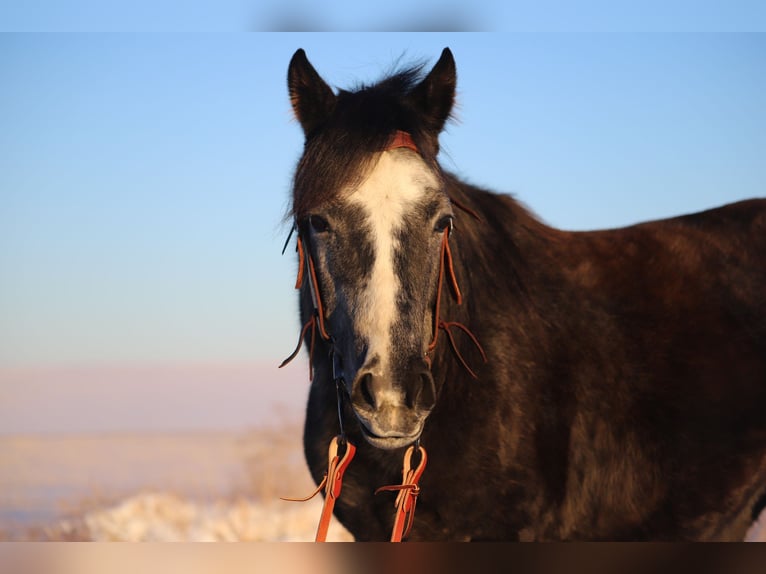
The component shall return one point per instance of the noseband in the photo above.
(408, 490)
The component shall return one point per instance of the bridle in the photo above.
(337, 464)
(317, 320)
(446, 263)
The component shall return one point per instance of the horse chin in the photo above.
(389, 442)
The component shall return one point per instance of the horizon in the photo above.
(150, 398)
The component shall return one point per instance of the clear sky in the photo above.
(144, 177)
(394, 15)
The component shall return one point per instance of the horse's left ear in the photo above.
(435, 95)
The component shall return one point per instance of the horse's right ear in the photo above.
(311, 98)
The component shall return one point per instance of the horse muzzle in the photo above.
(392, 411)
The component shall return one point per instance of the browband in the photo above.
(402, 139)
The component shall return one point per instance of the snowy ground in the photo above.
(158, 517)
(164, 487)
(157, 487)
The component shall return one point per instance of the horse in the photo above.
(600, 385)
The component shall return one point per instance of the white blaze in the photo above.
(394, 185)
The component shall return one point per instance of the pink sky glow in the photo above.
(150, 397)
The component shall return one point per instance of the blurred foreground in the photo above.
(153, 517)
(196, 486)
(159, 487)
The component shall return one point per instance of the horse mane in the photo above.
(339, 152)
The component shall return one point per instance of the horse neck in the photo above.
(495, 238)
(496, 250)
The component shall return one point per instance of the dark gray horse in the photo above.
(601, 385)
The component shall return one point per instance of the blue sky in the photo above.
(394, 15)
(143, 177)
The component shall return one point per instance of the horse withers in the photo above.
(605, 385)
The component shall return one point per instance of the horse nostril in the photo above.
(427, 394)
(422, 393)
(365, 386)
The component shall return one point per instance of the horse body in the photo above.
(624, 388)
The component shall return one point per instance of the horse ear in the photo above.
(435, 95)
(311, 98)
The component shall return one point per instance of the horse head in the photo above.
(373, 221)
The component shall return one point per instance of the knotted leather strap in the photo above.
(332, 483)
(408, 494)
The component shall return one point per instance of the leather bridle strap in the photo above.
(337, 465)
(408, 493)
(332, 483)
(306, 268)
(446, 266)
(402, 139)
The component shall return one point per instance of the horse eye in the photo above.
(444, 223)
(318, 223)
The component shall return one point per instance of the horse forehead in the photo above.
(398, 180)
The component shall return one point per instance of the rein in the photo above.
(337, 465)
(332, 483)
(408, 494)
